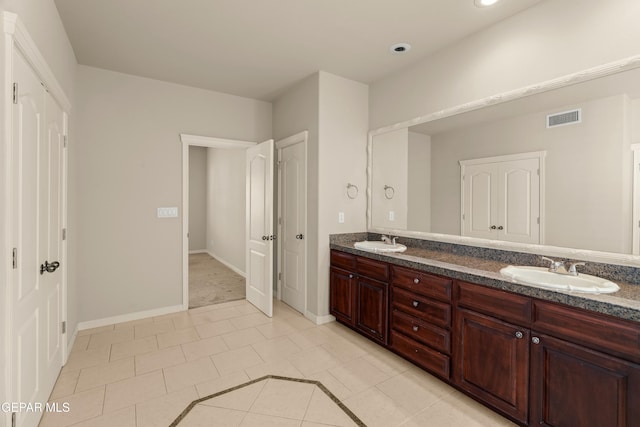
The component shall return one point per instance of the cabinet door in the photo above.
(342, 295)
(372, 308)
(492, 362)
(575, 386)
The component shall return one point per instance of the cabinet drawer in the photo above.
(598, 331)
(422, 283)
(431, 360)
(500, 304)
(421, 307)
(343, 260)
(371, 268)
(414, 328)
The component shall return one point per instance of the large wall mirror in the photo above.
(552, 164)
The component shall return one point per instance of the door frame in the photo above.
(196, 141)
(298, 138)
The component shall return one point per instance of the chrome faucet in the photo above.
(388, 240)
(555, 265)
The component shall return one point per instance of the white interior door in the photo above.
(519, 201)
(479, 204)
(36, 345)
(260, 237)
(292, 220)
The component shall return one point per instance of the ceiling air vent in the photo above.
(564, 118)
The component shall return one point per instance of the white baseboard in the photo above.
(198, 251)
(90, 324)
(232, 267)
(319, 320)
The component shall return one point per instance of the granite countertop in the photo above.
(624, 303)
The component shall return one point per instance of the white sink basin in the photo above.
(541, 277)
(379, 246)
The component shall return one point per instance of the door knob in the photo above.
(49, 267)
(299, 236)
(493, 227)
(264, 237)
(500, 227)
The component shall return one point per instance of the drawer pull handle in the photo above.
(416, 280)
(535, 340)
(415, 303)
(415, 329)
(519, 335)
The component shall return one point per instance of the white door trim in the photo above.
(301, 137)
(198, 141)
(635, 220)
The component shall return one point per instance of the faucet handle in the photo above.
(572, 268)
(393, 240)
(553, 264)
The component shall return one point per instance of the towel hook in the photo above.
(389, 192)
(352, 191)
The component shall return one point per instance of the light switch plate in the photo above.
(171, 212)
(341, 217)
(392, 216)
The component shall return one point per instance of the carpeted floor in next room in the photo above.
(211, 282)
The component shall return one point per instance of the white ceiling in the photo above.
(257, 48)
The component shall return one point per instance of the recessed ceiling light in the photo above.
(485, 3)
(400, 48)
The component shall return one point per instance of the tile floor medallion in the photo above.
(230, 365)
(280, 400)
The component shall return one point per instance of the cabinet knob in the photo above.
(351, 276)
(535, 340)
(519, 335)
(415, 329)
(416, 280)
(415, 303)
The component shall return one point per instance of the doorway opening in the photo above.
(213, 220)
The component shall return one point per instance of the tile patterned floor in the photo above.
(146, 372)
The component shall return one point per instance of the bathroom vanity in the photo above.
(538, 357)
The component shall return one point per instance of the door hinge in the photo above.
(279, 221)
(64, 234)
(280, 276)
(463, 217)
(15, 258)
(15, 93)
(65, 141)
(64, 327)
(538, 172)
(538, 220)
(13, 419)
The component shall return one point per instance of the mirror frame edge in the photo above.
(593, 73)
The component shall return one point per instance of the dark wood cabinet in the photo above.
(372, 308)
(534, 361)
(342, 295)
(575, 386)
(492, 362)
(357, 296)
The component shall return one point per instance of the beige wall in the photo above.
(390, 161)
(295, 111)
(551, 39)
(197, 198)
(342, 158)
(419, 183)
(226, 205)
(334, 111)
(128, 141)
(583, 209)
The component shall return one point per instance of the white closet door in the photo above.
(480, 202)
(37, 193)
(292, 179)
(519, 201)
